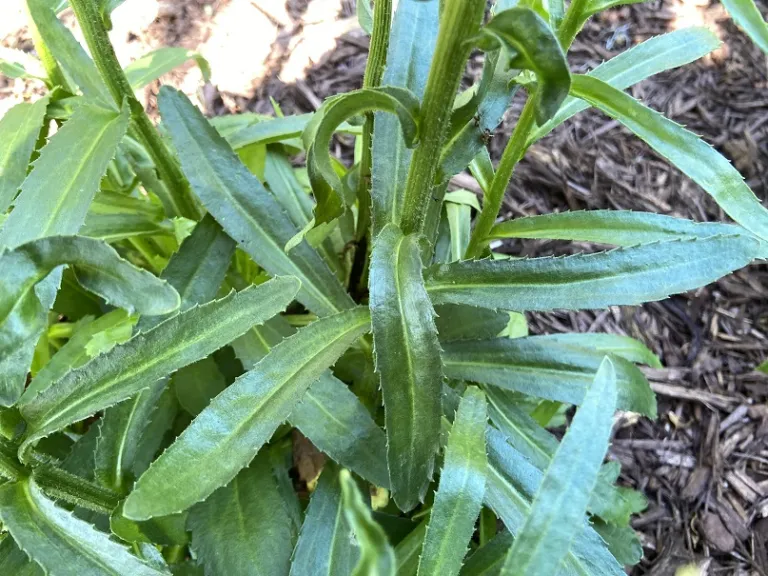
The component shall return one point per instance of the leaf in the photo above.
(167, 531)
(58, 541)
(615, 227)
(159, 62)
(763, 367)
(116, 227)
(246, 211)
(746, 14)
(545, 369)
(622, 541)
(338, 424)
(457, 322)
(621, 277)
(326, 542)
(14, 561)
(229, 432)
(407, 355)
(487, 560)
(326, 185)
(242, 528)
(19, 64)
(54, 198)
(279, 175)
(459, 497)
(133, 366)
(694, 157)
(19, 130)
(265, 130)
(531, 45)
(408, 550)
(459, 221)
(615, 504)
(411, 46)
(622, 346)
(655, 55)
(376, 555)
(365, 16)
(557, 512)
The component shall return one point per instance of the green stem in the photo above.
(513, 153)
(460, 20)
(74, 489)
(572, 23)
(95, 33)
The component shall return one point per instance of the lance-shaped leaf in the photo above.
(408, 362)
(615, 227)
(242, 529)
(746, 14)
(614, 344)
(411, 47)
(625, 276)
(455, 322)
(60, 542)
(116, 227)
(655, 55)
(545, 369)
(694, 157)
(149, 356)
(338, 424)
(326, 184)
(244, 208)
(531, 45)
(151, 66)
(557, 513)
(408, 550)
(325, 546)
(14, 561)
(225, 437)
(488, 559)
(459, 496)
(54, 198)
(376, 554)
(19, 129)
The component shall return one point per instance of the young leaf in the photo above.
(694, 157)
(376, 555)
(230, 431)
(151, 66)
(622, 541)
(459, 497)
(655, 55)
(246, 211)
(545, 369)
(746, 14)
(19, 130)
(411, 47)
(60, 542)
(147, 357)
(531, 45)
(242, 529)
(325, 546)
(408, 362)
(557, 513)
(615, 227)
(625, 276)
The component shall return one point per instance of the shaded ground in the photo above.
(704, 462)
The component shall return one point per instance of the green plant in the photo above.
(202, 316)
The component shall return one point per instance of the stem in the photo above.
(460, 20)
(92, 24)
(513, 153)
(74, 489)
(572, 23)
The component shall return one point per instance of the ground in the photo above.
(704, 462)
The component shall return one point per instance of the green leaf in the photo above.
(459, 222)
(411, 47)
(242, 528)
(326, 184)
(655, 55)
(622, 541)
(58, 541)
(229, 432)
(338, 424)
(19, 64)
(133, 366)
(459, 497)
(407, 355)
(557, 512)
(625, 276)
(615, 227)
(694, 157)
(365, 16)
(14, 561)
(19, 130)
(408, 550)
(326, 546)
(746, 14)
(456, 322)
(622, 346)
(545, 369)
(763, 367)
(488, 559)
(167, 531)
(531, 45)
(54, 198)
(376, 555)
(615, 504)
(246, 211)
(117, 227)
(151, 66)
(281, 179)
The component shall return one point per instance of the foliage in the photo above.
(177, 305)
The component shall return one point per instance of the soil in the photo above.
(704, 463)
